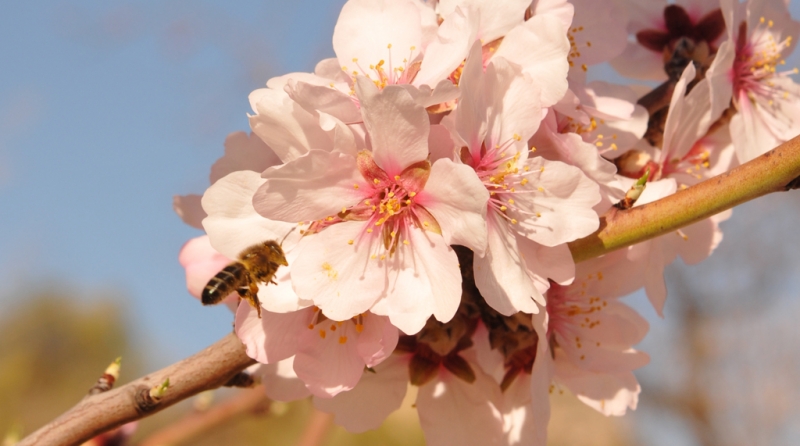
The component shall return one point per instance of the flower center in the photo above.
(757, 61)
(383, 73)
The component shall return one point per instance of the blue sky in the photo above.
(107, 110)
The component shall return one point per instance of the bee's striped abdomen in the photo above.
(224, 283)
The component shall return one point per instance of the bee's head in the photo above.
(276, 252)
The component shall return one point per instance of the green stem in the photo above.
(775, 171)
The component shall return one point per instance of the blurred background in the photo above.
(109, 108)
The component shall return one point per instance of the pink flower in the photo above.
(379, 223)
(453, 409)
(535, 205)
(763, 93)
(329, 356)
(591, 334)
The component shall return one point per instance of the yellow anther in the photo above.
(397, 177)
(375, 180)
(540, 188)
(369, 231)
(523, 182)
(350, 242)
(412, 194)
(513, 221)
(355, 59)
(511, 201)
(322, 334)
(389, 46)
(503, 208)
(355, 186)
(383, 256)
(405, 242)
(342, 339)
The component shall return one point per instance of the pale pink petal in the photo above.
(202, 262)
(328, 363)
(369, 31)
(541, 377)
(452, 411)
(640, 63)
(274, 336)
(398, 127)
(280, 382)
(427, 281)
(312, 187)
(512, 109)
(441, 143)
(496, 18)
(445, 53)
(540, 46)
(521, 425)
(243, 152)
(425, 96)
(460, 211)
(563, 198)
(323, 98)
(598, 32)
(501, 276)
(189, 209)
(470, 115)
(609, 394)
(560, 9)
(330, 69)
(232, 223)
(545, 262)
(378, 394)
(281, 123)
(340, 278)
(583, 351)
(378, 339)
(696, 242)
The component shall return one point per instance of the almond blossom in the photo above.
(535, 205)
(763, 93)
(379, 223)
(591, 335)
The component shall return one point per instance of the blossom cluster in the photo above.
(426, 182)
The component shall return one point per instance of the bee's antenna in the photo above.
(287, 235)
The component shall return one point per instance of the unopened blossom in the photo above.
(377, 226)
(764, 94)
(535, 205)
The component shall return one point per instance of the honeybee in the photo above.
(258, 263)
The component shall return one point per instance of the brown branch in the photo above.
(195, 423)
(775, 171)
(209, 369)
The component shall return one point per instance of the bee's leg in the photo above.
(253, 298)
